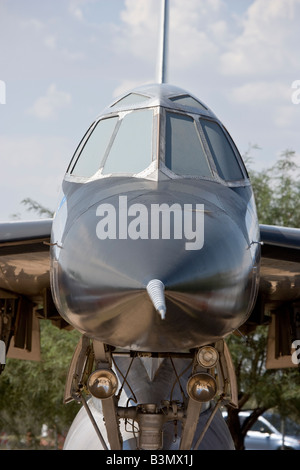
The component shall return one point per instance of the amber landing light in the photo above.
(201, 387)
(102, 383)
(207, 356)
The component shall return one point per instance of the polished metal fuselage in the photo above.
(210, 267)
(100, 285)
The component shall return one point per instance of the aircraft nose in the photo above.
(195, 250)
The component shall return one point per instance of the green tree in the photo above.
(31, 393)
(285, 207)
(277, 195)
(34, 206)
(277, 191)
(259, 389)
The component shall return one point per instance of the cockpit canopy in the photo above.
(158, 131)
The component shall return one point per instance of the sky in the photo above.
(63, 61)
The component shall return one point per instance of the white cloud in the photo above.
(125, 86)
(47, 107)
(234, 55)
(255, 92)
(76, 8)
(137, 15)
(34, 23)
(50, 42)
(256, 42)
(138, 34)
(32, 166)
(268, 42)
(271, 99)
(77, 12)
(196, 30)
(286, 116)
(190, 39)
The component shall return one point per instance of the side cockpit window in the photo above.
(117, 145)
(184, 153)
(221, 151)
(90, 156)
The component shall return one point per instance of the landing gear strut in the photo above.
(206, 381)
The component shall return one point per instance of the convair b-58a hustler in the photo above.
(156, 256)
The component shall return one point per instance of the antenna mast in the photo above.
(164, 42)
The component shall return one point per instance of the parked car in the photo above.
(264, 436)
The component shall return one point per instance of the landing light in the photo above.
(207, 356)
(103, 383)
(201, 387)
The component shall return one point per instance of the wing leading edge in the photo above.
(25, 288)
(278, 302)
(25, 285)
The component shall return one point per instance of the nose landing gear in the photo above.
(210, 383)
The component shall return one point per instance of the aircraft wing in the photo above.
(25, 285)
(278, 300)
(25, 294)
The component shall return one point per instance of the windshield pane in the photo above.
(184, 151)
(91, 156)
(131, 151)
(222, 152)
(186, 100)
(132, 98)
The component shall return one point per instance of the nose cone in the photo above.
(194, 249)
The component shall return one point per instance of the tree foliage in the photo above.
(277, 191)
(31, 393)
(37, 208)
(259, 389)
(277, 196)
